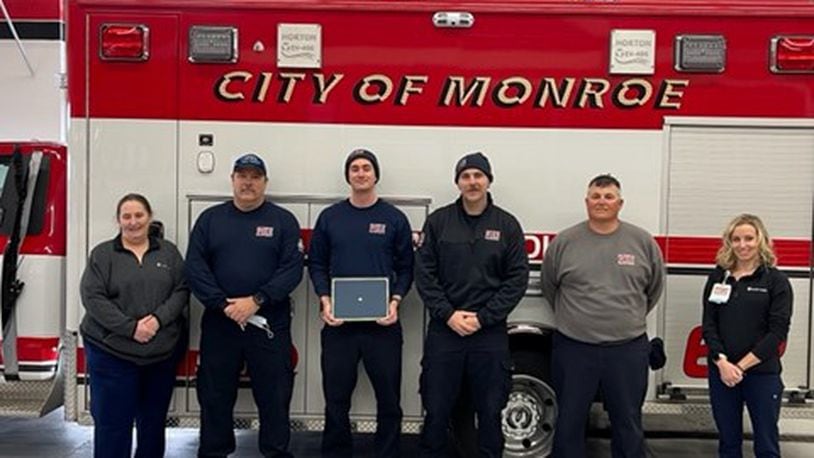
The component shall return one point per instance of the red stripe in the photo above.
(676, 249)
(34, 9)
(36, 349)
(702, 250)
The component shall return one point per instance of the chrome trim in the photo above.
(231, 29)
(773, 55)
(453, 19)
(677, 54)
(145, 42)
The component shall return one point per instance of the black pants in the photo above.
(762, 394)
(483, 360)
(578, 370)
(379, 349)
(225, 348)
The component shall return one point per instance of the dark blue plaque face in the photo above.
(360, 299)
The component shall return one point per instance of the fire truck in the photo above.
(702, 110)
(32, 204)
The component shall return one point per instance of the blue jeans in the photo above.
(121, 393)
(762, 395)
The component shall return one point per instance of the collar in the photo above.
(761, 269)
(489, 204)
(119, 246)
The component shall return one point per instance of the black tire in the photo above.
(531, 413)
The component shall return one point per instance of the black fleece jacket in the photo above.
(476, 264)
(756, 318)
(117, 291)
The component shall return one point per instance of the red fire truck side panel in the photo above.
(415, 73)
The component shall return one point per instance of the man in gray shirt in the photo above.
(602, 277)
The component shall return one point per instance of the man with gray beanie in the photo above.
(361, 236)
(472, 270)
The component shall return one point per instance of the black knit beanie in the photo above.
(474, 161)
(364, 154)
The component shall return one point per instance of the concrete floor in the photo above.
(52, 437)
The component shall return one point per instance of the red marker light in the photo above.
(792, 54)
(127, 42)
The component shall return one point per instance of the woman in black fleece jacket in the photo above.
(747, 313)
(135, 299)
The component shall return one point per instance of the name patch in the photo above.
(377, 228)
(625, 259)
(492, 235)
(264, 231)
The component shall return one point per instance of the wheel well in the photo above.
(531, 354)
(530, 342)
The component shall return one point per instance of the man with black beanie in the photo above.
(472, 270)
(362, 236)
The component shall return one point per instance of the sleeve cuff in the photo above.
(483, 319)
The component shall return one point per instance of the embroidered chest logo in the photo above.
(755, 289)
(162, 265)
(377, 228)
(625, 259)
(492, 235)
(264, 231)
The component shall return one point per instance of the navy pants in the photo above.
(484, 361)
(379, 349)
(121, 393)
(225, 349)
(578, 371)
(762, 394)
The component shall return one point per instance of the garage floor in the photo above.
(52, 437)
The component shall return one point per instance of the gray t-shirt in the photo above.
(602, 286)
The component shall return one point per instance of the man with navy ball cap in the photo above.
(243, 262)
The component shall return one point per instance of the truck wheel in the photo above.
(531, 413)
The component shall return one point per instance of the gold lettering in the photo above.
(289, 81)
(385, 87)
(560, 95)
(588, 90)
(408, 87)
(226, 80)
(671, 94)
(322, 90)
(502, 94)
(454, 89)
(642, 96)
(263, 86)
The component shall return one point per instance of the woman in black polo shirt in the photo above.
(747, 311)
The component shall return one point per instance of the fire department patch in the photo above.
(377, 228)
(492, 235)
(625, 259)
(264, 231)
